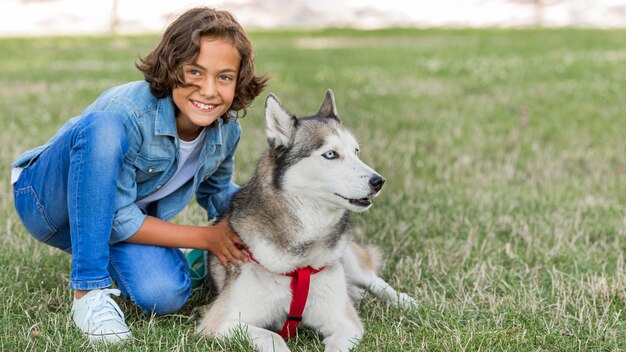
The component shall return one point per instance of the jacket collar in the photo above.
(165, 120)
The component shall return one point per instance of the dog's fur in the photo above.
(295, 212)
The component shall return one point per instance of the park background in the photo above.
(53, 17)
(499, 126)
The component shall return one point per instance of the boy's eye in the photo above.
(331, 154)
(194, 72)
(226, 78)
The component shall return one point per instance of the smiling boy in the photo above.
(103, 188)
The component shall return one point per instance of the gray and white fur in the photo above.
(295, 212)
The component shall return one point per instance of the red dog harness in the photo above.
(300, 282)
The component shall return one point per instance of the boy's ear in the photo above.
(279, 123)
(328, 108)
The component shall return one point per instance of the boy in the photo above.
(103, 187)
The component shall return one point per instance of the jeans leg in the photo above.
(154, 278)
(71, 188)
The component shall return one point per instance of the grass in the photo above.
(503, 214)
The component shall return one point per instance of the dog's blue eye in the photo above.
(330, 155)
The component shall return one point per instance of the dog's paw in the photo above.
(275, 345)
(407, 302)
(201, 331)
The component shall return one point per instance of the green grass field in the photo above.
(503, 213)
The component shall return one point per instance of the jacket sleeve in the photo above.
(216, 190)
(128, 217)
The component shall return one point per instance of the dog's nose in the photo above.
(376, 182)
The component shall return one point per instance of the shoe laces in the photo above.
(103, 308)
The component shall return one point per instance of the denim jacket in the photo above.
(151, 160)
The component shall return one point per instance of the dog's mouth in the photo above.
(362, 202)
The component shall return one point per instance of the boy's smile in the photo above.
(211, 80)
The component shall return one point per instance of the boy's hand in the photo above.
(221, 242)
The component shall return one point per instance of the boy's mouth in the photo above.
(203, 107)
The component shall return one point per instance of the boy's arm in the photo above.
(219, 239)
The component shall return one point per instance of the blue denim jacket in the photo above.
(152, 154)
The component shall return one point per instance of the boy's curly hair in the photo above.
(180, 44)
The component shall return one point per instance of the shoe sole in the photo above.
(109, 338)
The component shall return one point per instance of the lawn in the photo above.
(503, 213)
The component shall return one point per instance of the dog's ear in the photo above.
(328, 108)
(279, 123)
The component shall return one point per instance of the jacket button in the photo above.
(150, 170)
(159, 186)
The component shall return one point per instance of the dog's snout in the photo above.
(376, 182)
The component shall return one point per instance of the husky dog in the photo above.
(295, 213)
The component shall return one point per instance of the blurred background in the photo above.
(53, 17)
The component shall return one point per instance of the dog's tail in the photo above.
(368, 257)
(361, 265)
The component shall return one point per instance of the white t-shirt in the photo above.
(188, 159)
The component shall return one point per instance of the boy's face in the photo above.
(213, 79)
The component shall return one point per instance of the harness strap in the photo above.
(300, 283)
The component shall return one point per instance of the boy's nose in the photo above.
(207, 88)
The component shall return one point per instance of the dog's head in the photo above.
(316, 157)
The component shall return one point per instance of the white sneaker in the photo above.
(98, 316)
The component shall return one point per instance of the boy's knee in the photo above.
(105, 133)
(164, 297)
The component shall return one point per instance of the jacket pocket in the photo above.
(148, 168)
(33, 214)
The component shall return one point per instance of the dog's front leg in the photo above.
(331, 312)
(265, 340)
(345, 331)
(262, 339)
(222, 320)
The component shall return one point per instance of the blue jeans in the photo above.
(66, 199)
